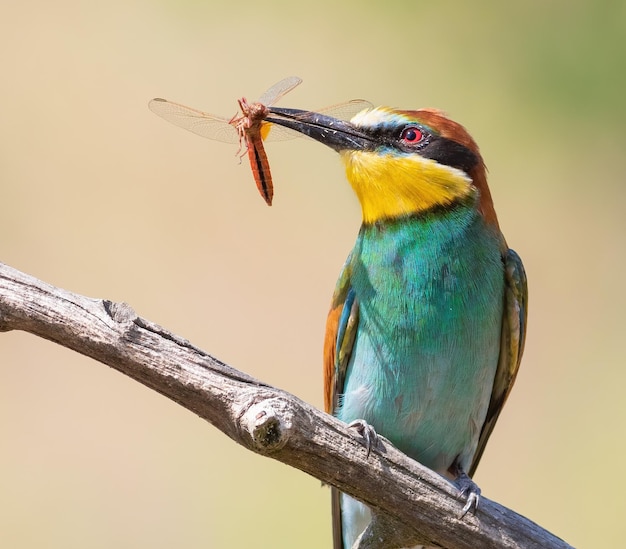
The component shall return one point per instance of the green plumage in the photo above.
(430, 295)
(424, 322)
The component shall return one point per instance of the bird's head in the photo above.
(401, 163)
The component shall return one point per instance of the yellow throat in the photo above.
(390, 185)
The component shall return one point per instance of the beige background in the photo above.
(101, 197)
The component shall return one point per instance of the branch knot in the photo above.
(269, 423)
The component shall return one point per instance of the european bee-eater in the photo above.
(427, 323)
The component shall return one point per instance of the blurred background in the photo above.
(101, 197)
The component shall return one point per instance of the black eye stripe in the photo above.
(433, 146)
(448, 152)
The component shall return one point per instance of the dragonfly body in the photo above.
(248, 129)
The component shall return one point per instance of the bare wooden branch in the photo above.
(266, 420)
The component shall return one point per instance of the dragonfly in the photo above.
(248, 129)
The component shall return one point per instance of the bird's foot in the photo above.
(367, 432)
(468, 489)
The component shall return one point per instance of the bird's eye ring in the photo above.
(411, 135)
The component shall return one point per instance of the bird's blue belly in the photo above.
(430, 311)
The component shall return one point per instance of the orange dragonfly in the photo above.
(247, 129)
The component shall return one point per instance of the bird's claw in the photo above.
(473, 499)
(368, 433)
(470, 491)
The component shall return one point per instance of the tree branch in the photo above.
(266, 420)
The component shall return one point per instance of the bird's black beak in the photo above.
(337, 134)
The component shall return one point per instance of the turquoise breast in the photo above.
(430, 292)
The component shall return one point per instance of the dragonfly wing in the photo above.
(347, 110)
(199, 122)
(278, 90)
(219, 129)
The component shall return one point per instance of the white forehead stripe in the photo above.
(370, 118)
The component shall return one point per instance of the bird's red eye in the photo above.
(411, 135)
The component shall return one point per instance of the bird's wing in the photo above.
(511, 345)
(341, 327)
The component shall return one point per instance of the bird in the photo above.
(427, 322)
